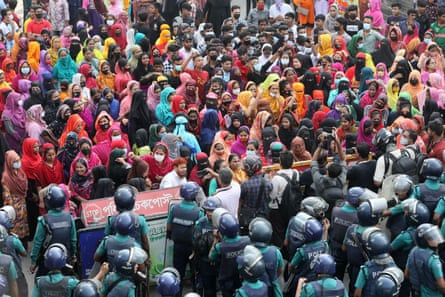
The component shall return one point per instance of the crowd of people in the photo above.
(103, 99)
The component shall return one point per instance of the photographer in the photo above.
(331, 185)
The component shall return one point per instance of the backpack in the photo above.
(291, 197)
(405, 164)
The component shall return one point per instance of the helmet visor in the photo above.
(137, 255)
(434, 237)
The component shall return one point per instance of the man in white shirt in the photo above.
(278, 10)
(176, 177)
(229, 193)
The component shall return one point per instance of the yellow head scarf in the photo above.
(108, 42)
(325, 45)
(164, 37)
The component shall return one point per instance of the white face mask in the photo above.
(236, 91)
(404, 140)
(110, 22)
(117, 137)
(42, 114)
(285, 61)
(250, 153)
(20, 102)
(159, 158)
(273, 94)
(98, 44)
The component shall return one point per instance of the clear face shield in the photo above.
(216, 216)
(434, 237)
(137, 256)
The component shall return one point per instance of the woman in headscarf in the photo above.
(159, 163)
(15, 187)
(371, 94)
(366, 75)
(123, 75)
(105, 79)
(401, 71)
(392, 90)
(163, 111)
(287, 132)
(375, 11)
(184, 78)
(103, 186)
(56, 127)
(298, 149)
(65, 67)
(117, 32)
(186, 138)
(114, 54)
(209, 127)
(143, 72)
(262, 120)
(153, 97)
(94, 17)
(53, 51)
(301, 99)
(8, 69)
(34, 122)
(87, 70)
(430, 66)
(33, 55)
(272, 95)
(107, 44)
(74, 124)
(139, 117)
(139, 169)
(239, 147)
(218, 151)
(14, 118)
(366, 132)
(125, 103)
(45, 65)
(50, 170)
(24, 72)
(164, 38)
(81, 181)
(102, 125)
(414, 86)
(156, 133)
(337, 107)
(325, 47)
(118, 168)
(68, 153)
(179, 105)
(381, 73)
(268, 136)
(86, 153)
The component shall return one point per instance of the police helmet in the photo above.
(324, 264)
(125, 223)
(417, 213)
(389, 282)
(313, 230)
(252, 165)
(228, 225)
(260, 232)
(217, 214)
(124, 198)
(55, 198)
(354, 194)
(10, 211)
(403, 183)
(86, 288)
(251, 264)
(125, 260)
(189, 190)
(5, 220)
(383, 138)
(376, 242)
(428, 235)
(431, 168)
(55, 256)
(368, 213)
(315, 206)
(211, 203)
(169, 282)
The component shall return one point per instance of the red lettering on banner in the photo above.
(149, 203)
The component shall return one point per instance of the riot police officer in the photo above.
(431, 190)
(252, 268)
(325, 284)
(86, 288)
(181, 225)
(424, 267)
(11, 245)
(368, 214)
(260, 233)
(403, 189)
(55, 283)
(111, 245)
(56, 226)
(124, 199)
(314, 245)
(120, 282)
(416, 213)
(344, 216)
(169, 282)
(203, 240)
(388, 283)
(377, 246)
(227, 251)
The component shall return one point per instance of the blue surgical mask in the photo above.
(257, 67)
(250, 154)
(366, 26)
(26, 70)
(360, 45)
(17, 165)
(178, 68)
(162, 134)
(275, 39)
(427, 40)
(125, 152)
(336, 81)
